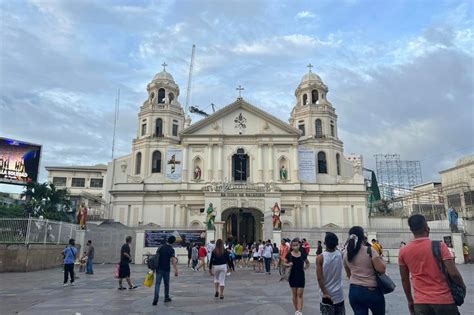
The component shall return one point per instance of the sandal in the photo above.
(221, 297)
(133, 287)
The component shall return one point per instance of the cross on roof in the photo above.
(164, 66)
(240, 89)
(309, 67)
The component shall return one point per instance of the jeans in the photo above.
(89, 266)
(268, 262)
(195, 262)
(336, 309)
(436, 309)
(166, 279)
(364, 298)
(68, 270)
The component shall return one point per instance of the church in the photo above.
(241, 164)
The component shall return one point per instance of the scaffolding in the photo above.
(396, 177)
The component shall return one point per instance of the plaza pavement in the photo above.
(246, 293)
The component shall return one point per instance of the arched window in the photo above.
(314, 96)
(161, 96)
(156, 162)
(171, 97)
(159, 127)
(305, 99)
(338, 164)
(333, 134)
(138, 163)
(319, 128)
(322, 165)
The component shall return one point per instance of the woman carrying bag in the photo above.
(219, 260)
(361, 268)
(298, 262)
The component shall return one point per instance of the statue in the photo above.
(197, 173)
(82, 216)
(283, 173)
(211, 216)
(276, 217)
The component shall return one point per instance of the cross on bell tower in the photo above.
(310, 66)
(240, 89)
(164, 66)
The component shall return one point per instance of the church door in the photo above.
(240, 166)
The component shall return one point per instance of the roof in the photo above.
(97, 167)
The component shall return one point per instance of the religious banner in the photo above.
(156, 238)
(307, 165)
(174, 164)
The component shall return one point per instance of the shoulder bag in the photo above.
(384, 283)
(456, 290)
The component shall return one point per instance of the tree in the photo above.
(45, 200)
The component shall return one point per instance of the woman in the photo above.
(276, 256)
(363, 291)
(219, 260)
(245, 256)
(298, 263)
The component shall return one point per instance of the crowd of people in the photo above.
(430, 276)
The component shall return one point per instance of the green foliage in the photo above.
(12, 211)
(44, 199)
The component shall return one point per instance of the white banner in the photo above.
(174, 164)
(307, 165)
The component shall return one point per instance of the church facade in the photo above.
(242, 163)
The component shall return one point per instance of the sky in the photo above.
(400, 73)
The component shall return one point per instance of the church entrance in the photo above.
(242, 225)
(240, 166)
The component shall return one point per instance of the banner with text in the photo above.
(174, 164)
(307, 164)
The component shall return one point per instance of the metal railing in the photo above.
(35, 231)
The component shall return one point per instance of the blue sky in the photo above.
(400, 73)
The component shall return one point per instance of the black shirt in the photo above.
(219, 260)
(125, 249)
(166, 253)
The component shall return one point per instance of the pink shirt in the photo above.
(362, 270)
(429, 284)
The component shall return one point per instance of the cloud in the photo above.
(305, 15)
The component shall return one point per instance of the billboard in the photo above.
(19, 161)
(174, 160)
(307, 165)
(158, 237)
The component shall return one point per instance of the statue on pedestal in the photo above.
(276, 217)
(283, 173)
(211, 217)
(197, 173)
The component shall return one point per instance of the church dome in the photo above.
(310, 76)
(163, 75)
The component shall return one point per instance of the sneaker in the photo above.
(65, 285)
(167, 299)
(72, 284)
(228, 274)
(121, 288)
(298, 313)
(133, 287)
(154, 302)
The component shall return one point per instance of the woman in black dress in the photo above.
(298, 261)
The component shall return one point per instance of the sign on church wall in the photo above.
(174, 164)
(307, 165)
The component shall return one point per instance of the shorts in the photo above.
(238, 257)
(245, 256)
(124, 271)
(276, 256)
(220, 272)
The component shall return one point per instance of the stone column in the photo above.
(184, 176)
(260, 163)
(456, 239)
(220, 175)
(270, 162)
(184, 216)
(209, 163)
(295, 168)
(139, 243)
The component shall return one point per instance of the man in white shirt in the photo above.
(210, 247)
(267, 256)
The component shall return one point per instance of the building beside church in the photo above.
(240, 159)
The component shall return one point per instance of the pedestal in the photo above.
(219, 228)
(456, 239)
(210, 236)
(276, 238)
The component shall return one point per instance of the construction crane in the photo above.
(188, 92)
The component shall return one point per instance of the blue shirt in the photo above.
(70, 254)
(452, 216)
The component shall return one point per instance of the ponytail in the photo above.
(356, 237)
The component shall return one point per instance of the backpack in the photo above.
(457, 291)
(153, 261)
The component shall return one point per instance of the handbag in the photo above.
(117, 271)
(384, 283)
(457, 291)
(150, 277)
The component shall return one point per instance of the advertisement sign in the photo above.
(19, 161)
(157, 238)
(174, 164)
(307, 165)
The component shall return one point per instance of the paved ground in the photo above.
(246, 293)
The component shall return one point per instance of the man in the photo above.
(167, 255)
(69, 254)
(432, 293)
(306, 246)
(209, 249)
(319, 250)
(189, 248)
(124, 267)
(329, 274)
(90, 257)
(453, 219)
(202, 253)
(238, 254)
(267, 256)
(284, 248)
(376, 246)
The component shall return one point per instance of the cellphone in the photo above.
(327, 301)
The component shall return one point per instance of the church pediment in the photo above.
(241, 118)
